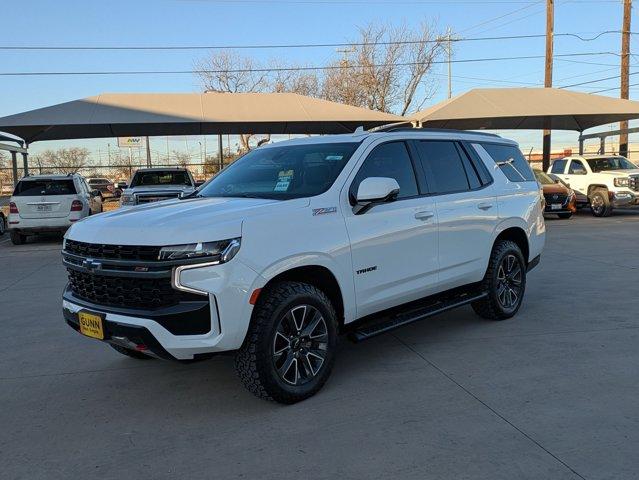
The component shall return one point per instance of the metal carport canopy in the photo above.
(526, 108)
(154, 114)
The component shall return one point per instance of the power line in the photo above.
(290, 69)
(293, 45)
(614, 77)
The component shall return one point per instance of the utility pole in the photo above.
(550, 27)
(625, 72)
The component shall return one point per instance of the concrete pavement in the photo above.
(550, 394)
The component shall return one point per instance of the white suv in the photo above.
(602, 181)
(300, 240)
(50, 203)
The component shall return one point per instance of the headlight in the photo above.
(621, 182)
(127, 200)
(222, 251)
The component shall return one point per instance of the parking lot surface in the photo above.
(550, 394)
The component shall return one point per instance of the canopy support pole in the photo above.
(25, 163)
(14, 166)
(221, 152)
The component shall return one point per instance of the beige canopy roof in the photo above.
(526, 108)
(139, 114)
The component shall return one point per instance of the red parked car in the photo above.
(560, 199)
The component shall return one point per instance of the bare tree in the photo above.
(385, 69)
(182, 159)
(65, 160)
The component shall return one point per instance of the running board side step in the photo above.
(417, 311)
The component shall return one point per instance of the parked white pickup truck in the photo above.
(155, 184)
(603, 182)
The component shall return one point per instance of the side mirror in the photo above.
(95, 193)
(375, 191)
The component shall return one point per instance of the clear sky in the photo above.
(211, 22)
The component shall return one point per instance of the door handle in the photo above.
(485, 206)
(424, 215)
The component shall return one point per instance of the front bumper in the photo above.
(625, 199)
(173, 332)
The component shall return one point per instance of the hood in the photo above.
(555, 188)
(620, 173)
(158, 188)
(174, 222)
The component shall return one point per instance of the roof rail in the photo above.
(399, 128)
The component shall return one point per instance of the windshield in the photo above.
(282, 173)
(160, 178)
(31, 188)
(544, 178)
(610, 163)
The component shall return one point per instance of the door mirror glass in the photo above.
(375, 190)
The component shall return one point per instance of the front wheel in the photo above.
(600, 203)
(504, 282)
(289, 350)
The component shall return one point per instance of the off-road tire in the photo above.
(17, 238)
(600, 203)
(564, 216)
(490, 307)
(254, 362)
(130, 353)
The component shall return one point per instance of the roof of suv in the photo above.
(49, 177)
(397, 132)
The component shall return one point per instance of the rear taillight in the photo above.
(76, 206)
(13, 208)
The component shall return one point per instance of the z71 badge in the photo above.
(324, 211)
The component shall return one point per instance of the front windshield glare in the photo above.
(282, 172)
(610, 163)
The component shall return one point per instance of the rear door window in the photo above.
(32, 188)
(511, 161)
(576, 168)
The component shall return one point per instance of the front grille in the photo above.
(112, 252)
(633, 183)
(142, 199)
(129, 292)
(555, 198)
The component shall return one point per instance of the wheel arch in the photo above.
(319, 276)
(594, 186)
(518, 235)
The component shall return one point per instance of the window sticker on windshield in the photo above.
(334, 157)
(283, 180)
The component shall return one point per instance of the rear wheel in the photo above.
(505, 282)
(17, 238)
(565, 216)
(289, 350)
(130, 353)
(600, 203)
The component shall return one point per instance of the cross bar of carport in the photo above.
(602, 138)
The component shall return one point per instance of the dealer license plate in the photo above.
(43, 208)
(91, 325)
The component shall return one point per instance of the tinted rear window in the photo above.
(32, 188)
(511, 162)
(141, 179)
(442, 161)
